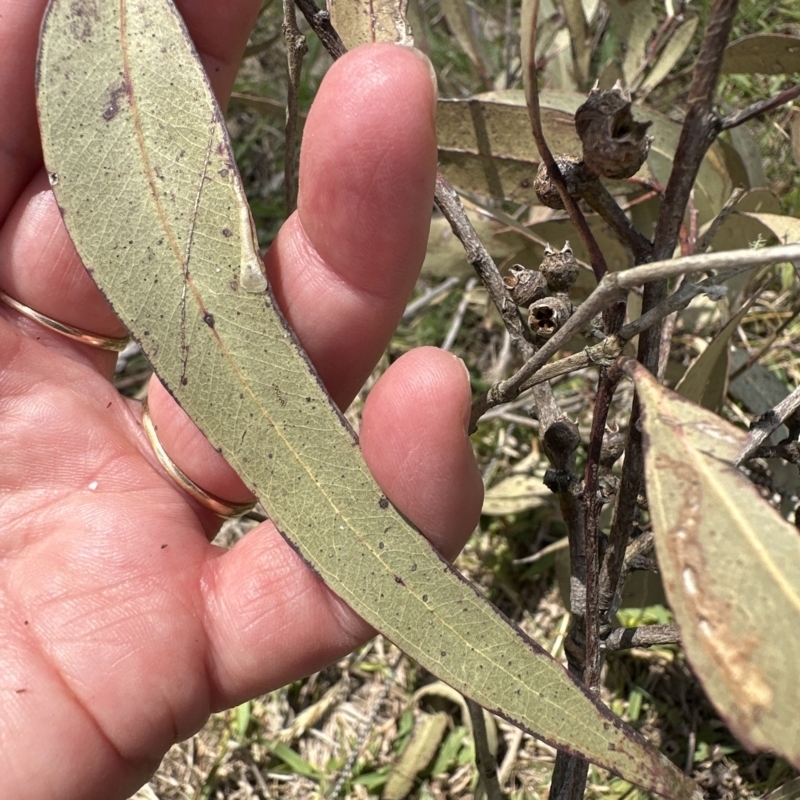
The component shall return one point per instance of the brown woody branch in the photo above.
(646, 636)
(296, 49)
(596, 257)
(759, 108)
(614, 285)
(701, 126)
(320, 22)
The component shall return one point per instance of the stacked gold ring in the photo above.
(221, 507)
(77, 334)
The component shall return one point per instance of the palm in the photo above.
(122, 627)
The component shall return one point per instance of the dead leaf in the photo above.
(731, 569)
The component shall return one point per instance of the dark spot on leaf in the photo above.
(82, 14)
(383, 502)
(443, 653)
(424, 598)
(525, 184)
(223, 173)
(380, 545)
(398, 579)
(413, 567)
(116, 92)
(227, 233)
(208, 319)
(184, 380)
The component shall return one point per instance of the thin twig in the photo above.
(613, 286)
(700, 128)
(601, 201)
(759, 108)
(645, 636)
(478, 256)
(704, 242)
(560, 439)
(596, 256)
(296, 49)
(766, 424)
(484, 758)
(320, 22)
(458, 317)
(592, 505)
(424, 300)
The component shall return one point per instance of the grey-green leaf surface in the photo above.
(706, 380)
(676, 46)
(730, 565)
(766, 53)
(144, 174)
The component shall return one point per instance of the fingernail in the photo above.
(466, 371)
(468, 408)
(431, 70)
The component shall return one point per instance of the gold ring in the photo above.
(92, 339)
(220, 507)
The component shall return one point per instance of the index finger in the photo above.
(219, 31)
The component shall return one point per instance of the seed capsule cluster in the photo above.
(545, 292)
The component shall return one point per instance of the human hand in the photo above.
(122, 628)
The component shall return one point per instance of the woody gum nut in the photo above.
(548, 315)
(559, 268)
(547, 192)
(615, 145)
(525, 285)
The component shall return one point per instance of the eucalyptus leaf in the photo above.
(485, 146)
(730, 565)
(429, 730)
(674, 49)
(706, 380)
(766, 53)
(458, 15)
(580, 39)
(142, 169)
(785, 228)
(634, 22)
